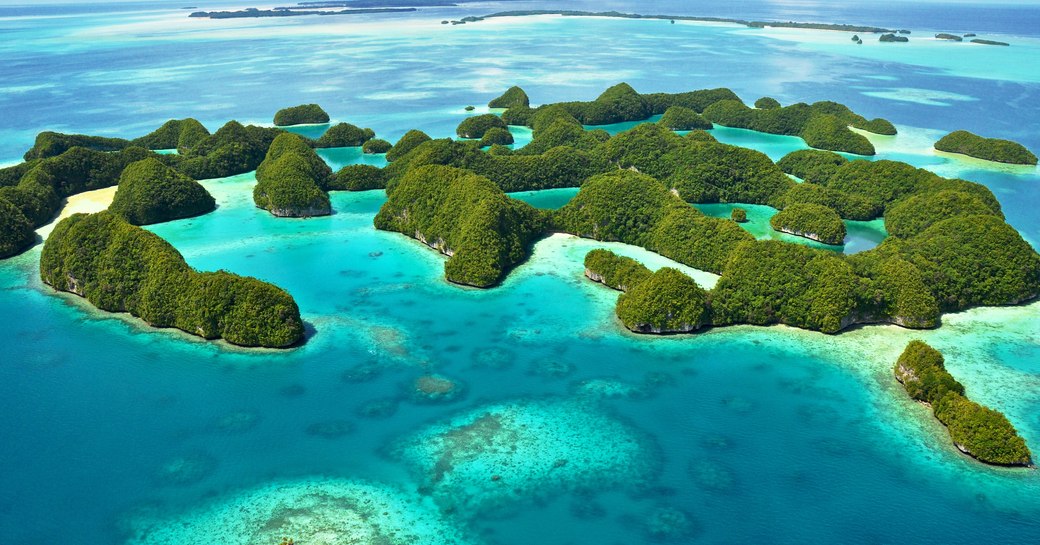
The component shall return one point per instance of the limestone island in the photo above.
(344, 135)
(989, 149)
(301, 115)
(152, 192)
(812, 221)
(292, 180)
(950, 37)
(250, 13)
(119, 267)
(979, 432)
(892, 38)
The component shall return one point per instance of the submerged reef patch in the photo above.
(492, 457)
(313, 511)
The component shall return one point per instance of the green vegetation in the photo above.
(376, 145)
(893, 290)
(625, 206)
(122, 268)
(464, 216)
(408, 142)
(299, 115)
(179, 134)
(738, 215)
(358, 178)
(988, 42)
(892, 38)
(496, 135)
(292, 179)
(983, 433)
(52, 144)
(822, 124)
(16, 231)
(475, 127)
(151, 192)
(767, 103)
(768, 282)
(811, 165)
(812, 221)
(344, 135)
(913, 215)
(679, 118)
(848, 206)
(618, 272)
(514, 96)
(233, 149)
(990, 149)
(666, 302)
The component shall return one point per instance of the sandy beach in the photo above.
(87, 202)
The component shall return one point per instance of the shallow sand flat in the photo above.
(87, 202)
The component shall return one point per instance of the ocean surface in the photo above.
(563, 428)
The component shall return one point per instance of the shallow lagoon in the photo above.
(750, 434)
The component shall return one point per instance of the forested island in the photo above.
(977, 431)
(949, 247)
(250, 13)
(989, 149)
(745, 22)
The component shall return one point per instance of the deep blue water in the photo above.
(753, 435)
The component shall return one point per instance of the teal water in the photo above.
(117, 433)
(861, 235)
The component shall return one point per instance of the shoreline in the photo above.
(87, 202)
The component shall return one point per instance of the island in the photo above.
(178, 134)
(300, 115)
(16, 231)
(989, 149)
(812, 221)
(292, 180)
(496, 136)
(768, 103)
(344, 135)
(464, 216)
(152, 192)
(738, 215)
(233, 149)
(475, 127)
(119, 267)
(950, 37)
(376, 145)
(407, 143)
(678, 118)
(979, 432)
(988, 42)
(892, 38)
(514, 96)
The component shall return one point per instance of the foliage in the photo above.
(848, 206)
(408, 142)
(233, 149)
(990, 149)
(179, 134)
(151, 192)
(830, 133)
(812, 165)
(738, 215)
(813, 221)
(475, 126)
(894, 289)
(344, 135)
(922, 371)
(716, 172)
(768, 282)
(514, 96)
(666, 302)
(984, 433)
(291, 180)
(976, 260)
(679, 118)
(767, 103)
(16, 231)
(122, 268)
(358, 178)
(465, 216)
(618, 272)
(52, 144)
(376, 145)
(496, 135)
(298, 115)
(913, 215)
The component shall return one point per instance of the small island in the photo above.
(989, 149)
(344, 135)
(678, 118)
(291, 180)
(178, 134)
(475, 127)
(892, 38)
(407, 143)
(301, 115)
(514, 96)
(812, 221)
(980, 432)
(151, 192)
(119, 267)
(376, 145)
(950, 37)
(988, 42)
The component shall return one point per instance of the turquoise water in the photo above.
(861, 235)
(117, 433)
